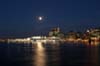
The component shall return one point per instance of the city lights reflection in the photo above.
(40, 56)
(92, 56)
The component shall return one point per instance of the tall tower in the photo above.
(58, 29)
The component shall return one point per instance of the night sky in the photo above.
(18, 18)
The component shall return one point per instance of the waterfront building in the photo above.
(94, 34)
(56, 32)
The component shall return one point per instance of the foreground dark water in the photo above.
(65, 54)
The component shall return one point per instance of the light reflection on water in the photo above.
(92, 56)
(40, 56)
(46, 54)
(65, 54)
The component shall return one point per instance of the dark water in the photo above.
(65, 54)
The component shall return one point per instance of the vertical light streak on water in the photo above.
(40, 56)
(54, 55)
(92, 55)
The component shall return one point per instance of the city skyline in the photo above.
(19, 17)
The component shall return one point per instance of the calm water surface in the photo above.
(65, 54)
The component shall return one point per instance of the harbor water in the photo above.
(60, 54)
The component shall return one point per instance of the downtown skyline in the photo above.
(19, 17)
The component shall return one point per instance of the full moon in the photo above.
(40, 18)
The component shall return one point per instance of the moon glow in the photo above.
(40, 18)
